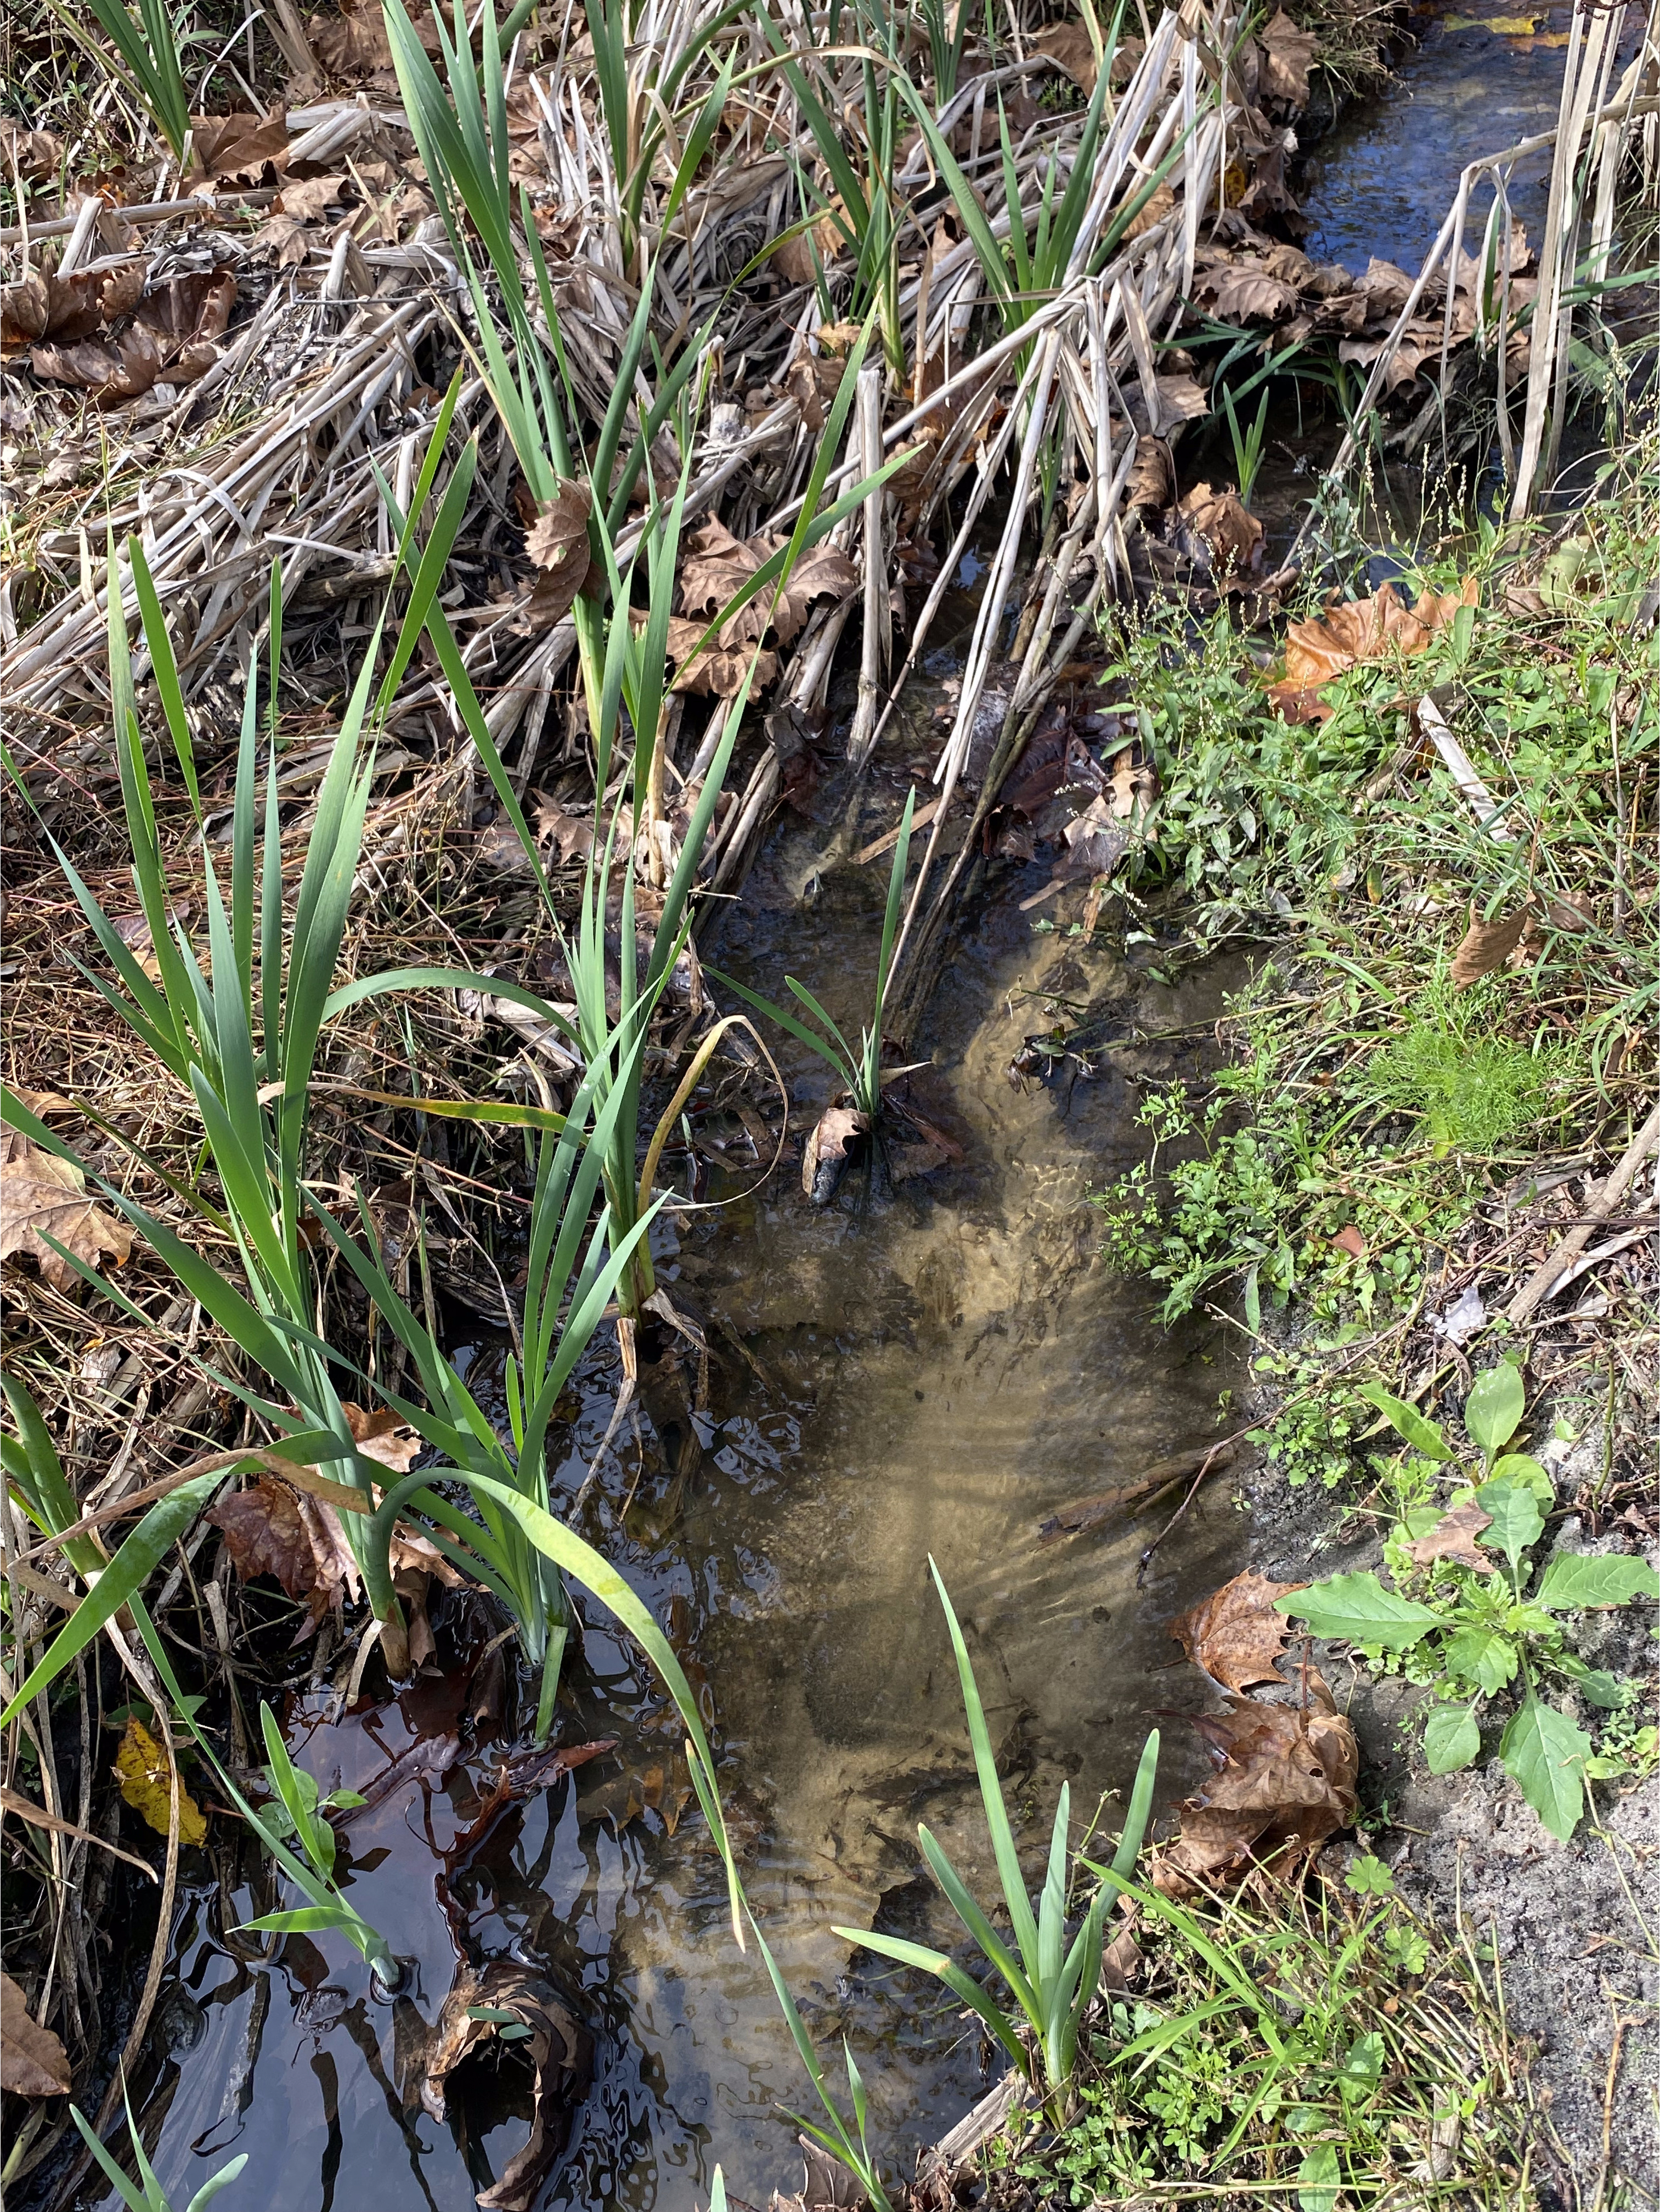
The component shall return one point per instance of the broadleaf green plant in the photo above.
(1052, 1981)
(1471, 1634)
(330, 1912)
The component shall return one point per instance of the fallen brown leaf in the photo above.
(1285, 1782)
(236, 148)
(42, 1196)
(1348, 1239)
(141, 1769)
(309, 198)
(32, 2060)
(794, 259)
(383, 1435)
(1319, 651)
(557, 542)
(1455, 1536)
(830, 1142)
(271, 1530)
(107, 369)
(1287, 56)
(559, 2049)
(1067, 45)
(812, 382)
(1152, 478)
(718, 565)
(1245, 292)
(1485, 946)
(1232, 533)
(1235, 1634)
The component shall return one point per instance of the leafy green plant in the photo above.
(1471, 1091)
(861, 1072)
(1052, 1981)
(330, 1910)
(148, 48)
(148, 2196)
(1475, 1633)
(1247, 443)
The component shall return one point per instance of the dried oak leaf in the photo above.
(718, 565)
(142, 1770)
(1245, 292)
(1319, 651)
(557, 542)
(228, 149)
(715, 670)
(186, 315)
(1232, 533)
(826, 238)
(385, 1437)
(41, 1193)
(1455, 1536)
(1485, 946)
(559, 2049)
(1067, 45)
(271, 1530)
(1286, 1783)
(32, 2060)
(812, 383)
(1287, 57)
(1235, 1634)
(830, 1144)
(107, 369)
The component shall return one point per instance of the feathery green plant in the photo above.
(1051, 1982)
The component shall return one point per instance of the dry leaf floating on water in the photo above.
(142, 1768)
(1235, 1634)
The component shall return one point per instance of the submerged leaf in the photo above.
(484, 2006)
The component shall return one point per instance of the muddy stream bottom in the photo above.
(930, 1374)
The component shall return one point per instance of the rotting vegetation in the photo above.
(400, 460)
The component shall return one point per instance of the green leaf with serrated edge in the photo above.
(1522, 1466)
(1358, 1608)
(1421, 1433)
(1572, 1584)
(1545, 1754)
(1493, 1411)
(1480, 1655)
(1451, 1739)
(1517, 1523)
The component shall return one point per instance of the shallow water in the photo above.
(926, 1376)
(1478, 80)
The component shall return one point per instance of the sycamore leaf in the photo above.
(1236, 1635)
(557, 540)
(1451, 1739)
(271, 1530)
(1358, 1608)
(1455, 1536)
(42, 1196)
(1572, 1584)
(32, 2060)
(1361, 630)
(1545, 1754)
(141, 1768)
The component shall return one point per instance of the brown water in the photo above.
(929, 1374)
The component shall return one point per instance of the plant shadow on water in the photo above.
(932, 1373)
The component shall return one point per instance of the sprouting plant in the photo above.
(330, 1910)
(861, 1072)
(149, 2196)
(1478, 1628)
(1247, 443)
(149, 47)
(1051, 1982)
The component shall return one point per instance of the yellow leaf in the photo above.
(141, 1767)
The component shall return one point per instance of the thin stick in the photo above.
(1551, 1273)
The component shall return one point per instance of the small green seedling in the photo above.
(1483, 1623)
(150, 2197)
(328, 1911)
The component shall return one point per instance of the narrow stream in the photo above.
(926, 1376)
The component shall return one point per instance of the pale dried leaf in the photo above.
(41, 1196)
(1287, 56)
(1485, 946)
(1455, 1536)
(32, 2060)
(1067, 45)
(557, 542)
